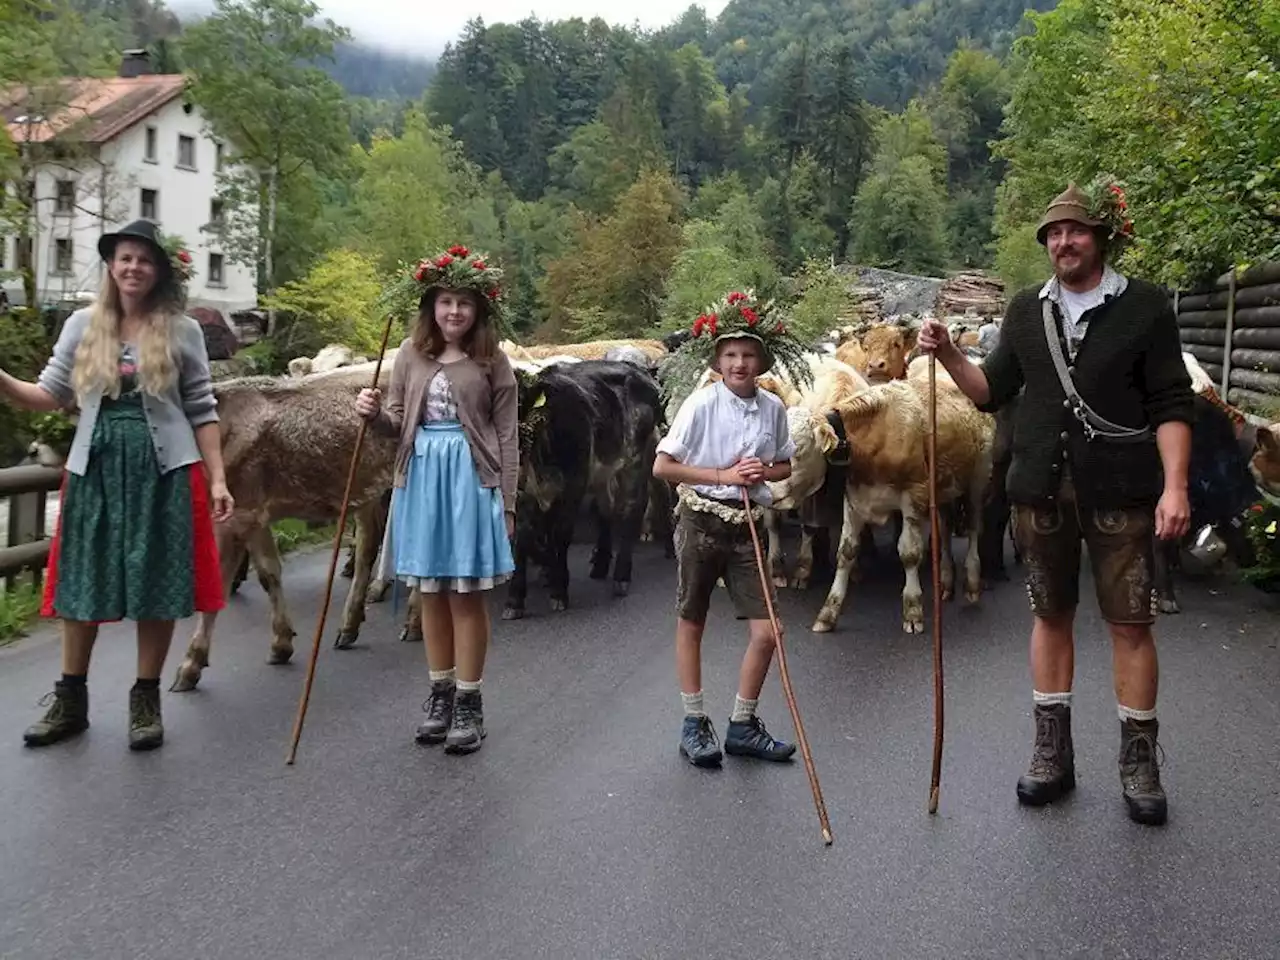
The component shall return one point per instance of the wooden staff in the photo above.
(333, 559)
(786, 679)
(935, 549)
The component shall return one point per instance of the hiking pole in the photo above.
(935, 551)
(786, 679)
(333, 559)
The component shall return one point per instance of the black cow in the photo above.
(1220, 489)
(589, 431)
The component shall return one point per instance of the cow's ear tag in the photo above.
(541, 401)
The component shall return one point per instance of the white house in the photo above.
(141, 150)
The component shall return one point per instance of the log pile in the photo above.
(866, 306)
(965, 292)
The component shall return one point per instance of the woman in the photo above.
(452, 403)
(135, 533)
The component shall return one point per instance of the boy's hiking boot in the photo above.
(698, 742)
(749, 738)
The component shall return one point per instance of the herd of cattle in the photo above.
(591, 416)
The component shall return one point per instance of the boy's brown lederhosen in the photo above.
(712, 540)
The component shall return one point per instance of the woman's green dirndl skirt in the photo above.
(132, 543)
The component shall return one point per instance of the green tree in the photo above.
(281, 118)
(822, 300)
(336, 302)
(612, 280)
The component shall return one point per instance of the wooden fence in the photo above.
(27, 489)
(1233, 328)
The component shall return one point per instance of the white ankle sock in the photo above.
(1128, 713)
(469, 686)
(743, 710)
(437, 675)
(1046, 699)
(693, 704)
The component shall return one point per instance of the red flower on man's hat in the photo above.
(477, 264)
(459, 251)
(493, 293)
(712, 322)
(750, 316)
(736, 298)
(444, 261)
(184, 256)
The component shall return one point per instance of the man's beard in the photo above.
(1084, 268)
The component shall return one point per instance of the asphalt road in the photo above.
(578, 832)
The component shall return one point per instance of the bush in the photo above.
(25, 346)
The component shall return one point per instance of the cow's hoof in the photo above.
(280, 656)
(377, 592)
(409, 635)
(345, 640)
(913, 626)
(824, 624)
(186, 679)
(972, 598)
(513, 613)
(1169, 605)
(948, 594)
(559, 606)
(798, 583)
(621, 588)
(780, 581)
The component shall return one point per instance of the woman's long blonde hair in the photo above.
(97, 362)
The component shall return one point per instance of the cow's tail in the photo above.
(864, 406)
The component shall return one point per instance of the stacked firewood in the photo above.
(974, 294)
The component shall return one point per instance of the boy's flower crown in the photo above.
(736, 315)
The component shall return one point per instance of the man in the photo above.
(1089, 465)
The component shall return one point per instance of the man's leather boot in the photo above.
(1140, 772)
(1053, 764)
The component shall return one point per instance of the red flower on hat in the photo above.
(750, 316)
(459, 251)
(699, 324)
(444, 261)
(493, 293)
(184, 256)
(477, 264)
(736, 298)
(421, 273)
(712, 321)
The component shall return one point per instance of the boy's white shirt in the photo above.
(716, 428)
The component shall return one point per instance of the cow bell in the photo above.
(1208, 549)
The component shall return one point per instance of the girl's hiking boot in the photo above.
(439, 709)
(698, 742)
(467, 730)
(67, 716)
(749, 738)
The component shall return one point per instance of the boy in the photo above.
(726, 436)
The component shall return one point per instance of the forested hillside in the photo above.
(625, 179)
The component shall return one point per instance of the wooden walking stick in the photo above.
(786, 679)
(333, 559)
(935, 550)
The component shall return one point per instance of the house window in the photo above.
(186, 152)
(62, 256)
(215, 211)
(151, 145)
(4, 250)
(66, 199)
(150, 204)
(217, 157)
(215, 269)
(22, 247)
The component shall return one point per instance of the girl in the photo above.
(134, 538)
(452, 403)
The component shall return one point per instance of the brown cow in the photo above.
(887, 430)
(287, 445)
(880, 354)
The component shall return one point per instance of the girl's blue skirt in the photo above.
(446, 531)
